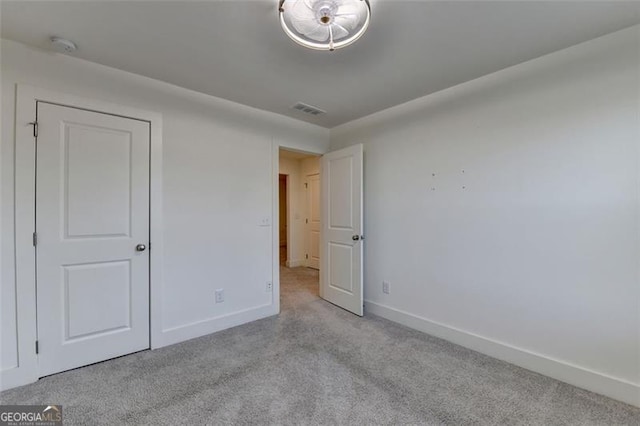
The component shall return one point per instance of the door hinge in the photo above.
(37, 348)
(35, 128)
(35, 239)
(306, 256)
(306, 185)
(306, 221)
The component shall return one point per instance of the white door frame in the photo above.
(25, 209)
(307, 227)
(275, 226)
(286, 207)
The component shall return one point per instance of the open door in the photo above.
(341, 271)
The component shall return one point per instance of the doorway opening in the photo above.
(299, 220)
(324, 227)
(299, 209)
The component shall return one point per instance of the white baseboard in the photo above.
(211, 325)
(16, 376)
(612, 387)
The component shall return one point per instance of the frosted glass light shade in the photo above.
(324, 24)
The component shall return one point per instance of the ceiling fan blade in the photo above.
(355, 8)
(299, 10)
(348, 21)
(321, 33)
(339, 32)
(306, 26)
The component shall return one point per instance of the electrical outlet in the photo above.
(220, 295)
(269, 286)
(385, 287)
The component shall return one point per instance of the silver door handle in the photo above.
(141, 247)
(355, 237)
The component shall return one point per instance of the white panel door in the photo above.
(341, 271)
(92, 212)
(314, 224)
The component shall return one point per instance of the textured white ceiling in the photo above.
(236, 49)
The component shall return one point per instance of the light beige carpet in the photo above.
(316, 364)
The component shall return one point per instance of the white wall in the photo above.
(310, 166)
(531, 254)
(212, 202)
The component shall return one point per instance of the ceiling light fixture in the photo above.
(324, 24)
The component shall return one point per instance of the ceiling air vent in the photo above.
(308, 109)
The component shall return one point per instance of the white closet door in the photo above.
(92, 224)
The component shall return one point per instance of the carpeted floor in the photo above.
(316, 364)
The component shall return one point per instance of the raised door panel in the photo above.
(97, 162)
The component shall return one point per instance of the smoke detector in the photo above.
(63, 45)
